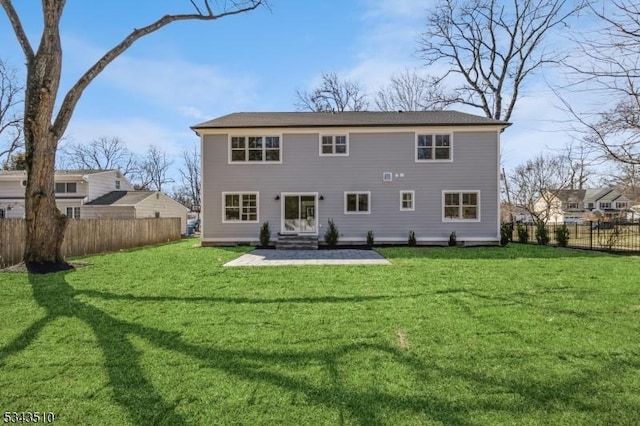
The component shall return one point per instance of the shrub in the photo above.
(542, 235)
(332, 235)
(265, 234)
(412, 239)
(523, 234)
(453, 240)
(370, 238)
(506, 233)
(562, 235)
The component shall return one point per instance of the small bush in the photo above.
(412, 239)
(265, 234)
(370, 239)
(506, 233)
(542, 235)
(332, 235)
(453, 240)
(523, 234)
(562, 235)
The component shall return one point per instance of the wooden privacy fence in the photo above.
(90, 236)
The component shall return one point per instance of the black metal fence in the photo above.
(616, 236)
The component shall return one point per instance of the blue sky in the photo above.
(192, 71)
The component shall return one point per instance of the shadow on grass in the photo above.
(370, 406)
(511, 251)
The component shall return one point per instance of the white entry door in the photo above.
(299, 214)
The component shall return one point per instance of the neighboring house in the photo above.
(575, 205)
(431, 172)
(135, 204)
(79, 195)
(74, 188)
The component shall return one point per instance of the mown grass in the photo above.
(166, 335)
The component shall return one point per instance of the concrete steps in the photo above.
(297, 242)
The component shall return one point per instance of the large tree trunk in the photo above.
(45, 223)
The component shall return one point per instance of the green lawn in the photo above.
(166, 335)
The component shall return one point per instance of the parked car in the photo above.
(602, 225)
(193, 225)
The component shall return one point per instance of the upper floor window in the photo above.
(117, 184)
(434, 147)
(621, 204)
(572, 205)
(240, 207)
(605, 205)
(590, 205)
(357, 202)
(66, 187)
(461, 206)
(3, 213)
(334, 145)
(255, 149)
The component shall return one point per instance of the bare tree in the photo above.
(408, 91)
(11, 91)
(579, 163)
(188, 193)
(333, 95)
(153, 172)
(495, 48)
(625, 178)
(100, 154)
(43, 127)
(535, 186)
(608, 63)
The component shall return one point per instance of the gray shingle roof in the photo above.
(120, 198)
(351, 118)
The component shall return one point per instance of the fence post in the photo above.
(590, 235)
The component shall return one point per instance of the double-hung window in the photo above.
(461, 206)
(407, 201)
(240, 207)
(66, 187)
(255, 149)
(334, 145)
(73, 212)
(433, 147)
(357, 202)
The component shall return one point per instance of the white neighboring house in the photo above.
(571, 205)
(82, 194)
(135, 204)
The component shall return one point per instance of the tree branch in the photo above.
(18, 29)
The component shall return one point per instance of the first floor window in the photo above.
(73, 212)
(241, 207)
(461, 206)
(406, 200)
(357, 202)
(3, 214)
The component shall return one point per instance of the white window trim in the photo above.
(415, 148)
(601, 205)
(450, 191)
(224, 210)
(622, 204)
(264, 147)
(413, 201)
(358, 193)
(333, 144)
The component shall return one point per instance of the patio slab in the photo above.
(262, 257)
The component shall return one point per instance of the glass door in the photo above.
(299, 214)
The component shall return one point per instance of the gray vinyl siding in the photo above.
(474, 168)
(105, 182)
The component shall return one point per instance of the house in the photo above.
(89, 194)
(135, 204)
(431, 172)
(577, 205)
